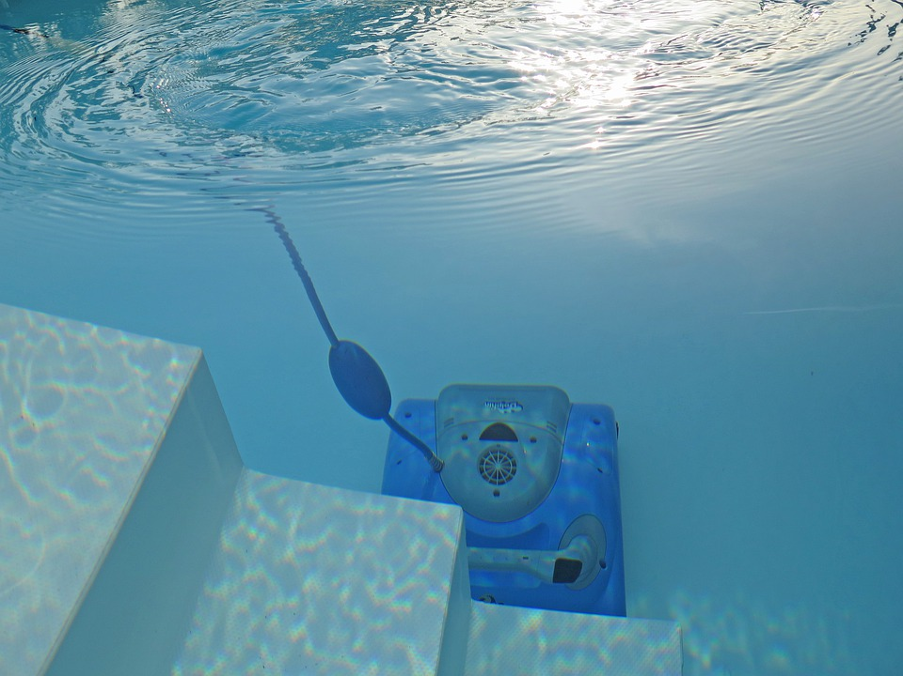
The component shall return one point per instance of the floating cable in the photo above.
(356, 374)
(283, 233)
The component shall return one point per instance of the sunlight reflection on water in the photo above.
(352, 93)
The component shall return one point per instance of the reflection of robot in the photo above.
(537, 478)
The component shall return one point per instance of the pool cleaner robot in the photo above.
(536, 475)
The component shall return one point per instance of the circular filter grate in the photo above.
(497, 465)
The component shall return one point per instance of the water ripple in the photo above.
(160, 100)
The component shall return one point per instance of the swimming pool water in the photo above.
(688, 210)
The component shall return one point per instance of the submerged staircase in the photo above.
(133, 541)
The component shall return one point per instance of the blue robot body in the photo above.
(537, 478)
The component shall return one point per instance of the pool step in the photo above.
(133, 541)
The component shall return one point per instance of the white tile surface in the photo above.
(524, 642)
(83, 410)
(318, 580)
